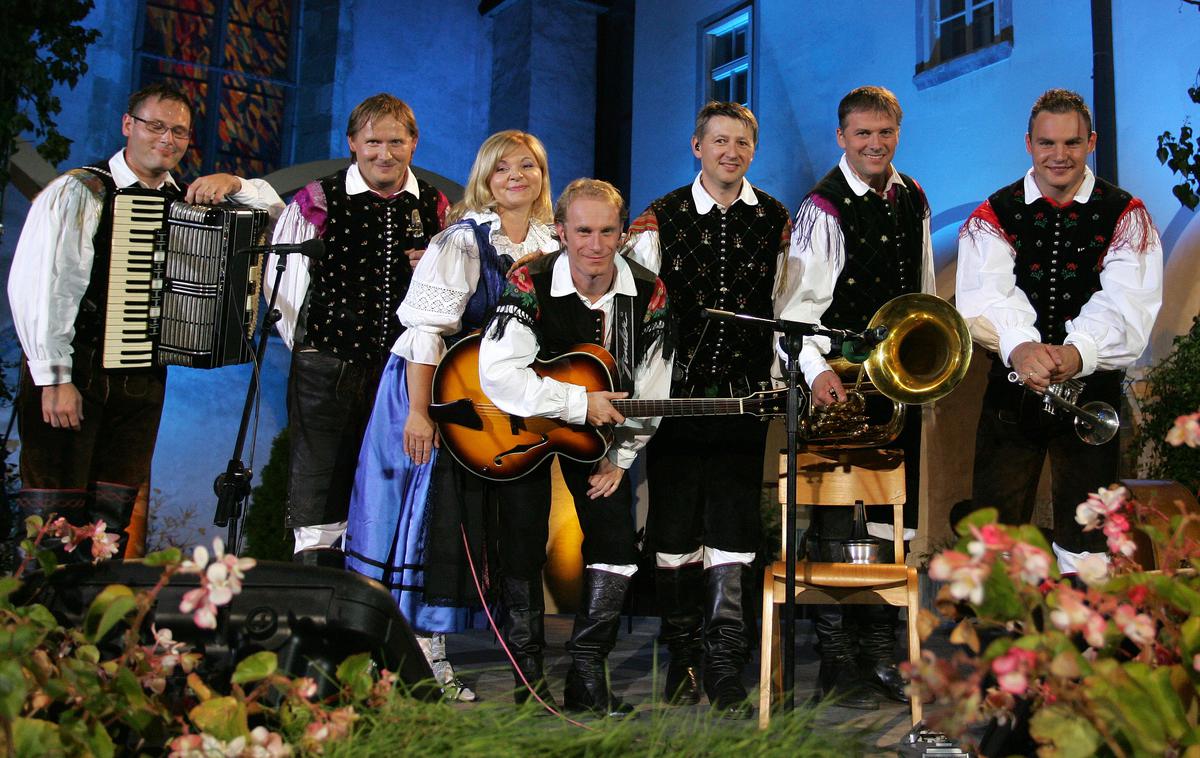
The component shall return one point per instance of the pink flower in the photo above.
(965, 575)
(1093, 569)
(1032, 563)
(1186, 431)
(198, 600)
(304, 687)
(1196, 661)
(989, 537)
(1099, 504)
(1070, 613)
(1094, 630)
(1012, 670)
(219, 582)
(1138, 627)
(1121, 544)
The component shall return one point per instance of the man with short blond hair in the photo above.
(1060, 278)
(339, 313)
(584, 293)
(716, 242)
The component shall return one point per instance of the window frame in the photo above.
(742, 15)
(931, 68)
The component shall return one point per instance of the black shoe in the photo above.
(886, 679)
(523, 629)
(726, 648)
(840, 681)
(326, 557)
(591, 641)
(680, 594)
(729, 698)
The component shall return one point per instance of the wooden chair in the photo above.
(839, 478)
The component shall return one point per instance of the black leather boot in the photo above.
(114, 503)
(524, 633)
(680, 600)
(838, 676)
(593, 638)
(726, 649)
(875, 627)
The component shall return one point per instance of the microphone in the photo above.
(313, 248)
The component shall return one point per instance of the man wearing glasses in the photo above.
(87, 435)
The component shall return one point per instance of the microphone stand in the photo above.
(233, 486)
(792, 341)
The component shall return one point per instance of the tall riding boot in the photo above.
(114, 503)
(524, 634)
(680, 601)
(726, 648)
(875, 627)
(50, 504)
(591, 641)
(838, 676)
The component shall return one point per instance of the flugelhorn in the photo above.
(1095, 422)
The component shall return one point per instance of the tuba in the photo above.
(924, 356)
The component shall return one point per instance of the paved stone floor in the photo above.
(481, 664)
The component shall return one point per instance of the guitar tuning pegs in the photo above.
(764, 386)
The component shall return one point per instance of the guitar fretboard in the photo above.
(703, 406)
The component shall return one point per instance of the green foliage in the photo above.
(1174, 392)
(265, 536)
(42, 44)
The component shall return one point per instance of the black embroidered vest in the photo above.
(365, 273)
(561, 322)
(883, 239)
(89, 321)
(725, 261)
(1059, 249)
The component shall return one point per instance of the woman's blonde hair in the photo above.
(477, 195)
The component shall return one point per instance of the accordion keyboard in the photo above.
(135, 280)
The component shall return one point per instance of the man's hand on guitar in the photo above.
(420, 437)
(62, 406)
(605, 479)
(600, 408)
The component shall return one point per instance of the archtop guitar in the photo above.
(500, 446)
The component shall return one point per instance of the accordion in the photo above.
(182, 288)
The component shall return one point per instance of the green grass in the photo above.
(407, 727)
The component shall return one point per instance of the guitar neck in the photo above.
(702, 406)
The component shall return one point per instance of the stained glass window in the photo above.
(233, 58)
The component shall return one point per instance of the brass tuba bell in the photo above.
(924, 356)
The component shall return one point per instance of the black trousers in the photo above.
(524, 521)
(329, 403)
(115, 444)
(1011, 443)
(705, 482)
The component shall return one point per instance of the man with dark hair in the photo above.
(88, 433)
(339, 313)
(1060, 278)
(861, 238)
(586, 293)
(716, 243)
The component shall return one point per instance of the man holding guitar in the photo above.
(587, 295)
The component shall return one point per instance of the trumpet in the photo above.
(1095, 422)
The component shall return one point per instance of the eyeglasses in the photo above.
(159, 128)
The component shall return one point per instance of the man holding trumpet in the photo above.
(1060, 277)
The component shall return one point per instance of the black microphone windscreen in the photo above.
(313, 248)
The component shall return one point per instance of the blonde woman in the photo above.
(411, 505)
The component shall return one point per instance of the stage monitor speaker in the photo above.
(311, 617)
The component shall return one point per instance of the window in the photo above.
(957, 36)
(727, 58)
(234, 61)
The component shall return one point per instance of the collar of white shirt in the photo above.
(1082, 195)
(561, 283)
(539, 237)
(356, 185)
(123, 175)
(704, 201)
(859, 186)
